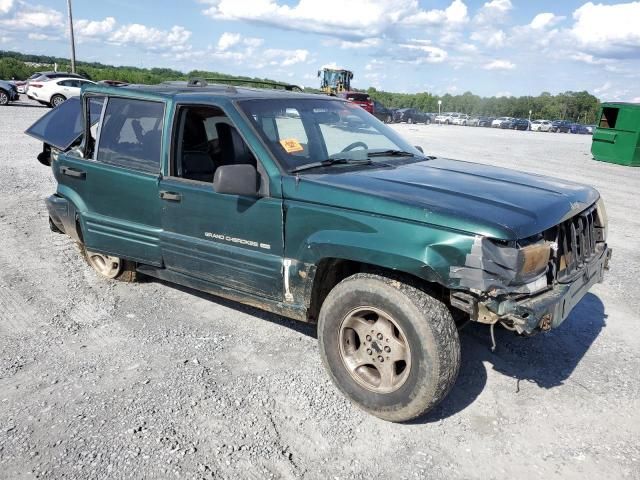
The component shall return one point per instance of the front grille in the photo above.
(579, 240)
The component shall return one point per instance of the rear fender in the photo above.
(64, 216)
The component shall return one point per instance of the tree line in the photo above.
(575, 106)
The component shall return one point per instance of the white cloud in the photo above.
(587, 58)
(285, 58)
(40, 37)
(603, 89)
(347, 20)
(454, 14)
(421, 51)
(493, 12)
(608, 29)
(228, 40)
(33, 18)
(544, 20)
(5, 6)
(152, 38)
(92, 29)
(496, 39)
(499, 65)
(364, 43)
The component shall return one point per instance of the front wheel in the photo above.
(391, 348)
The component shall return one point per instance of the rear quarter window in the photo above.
(131, 134)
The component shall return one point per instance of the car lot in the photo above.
(106, 379)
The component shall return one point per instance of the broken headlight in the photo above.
(602, 219)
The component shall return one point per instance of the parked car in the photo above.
(209, 188)
(41, 77)
(480, 121)
(56, 91)
(579, 128)
(447, 118)
(520, 124)
(540, 125)
(500, 121)
(382, 113)
(460, 119)
(561, 126)
(361, 99)
(411, 115)
(507, 124)
(113, 83)
(8, 93)
(20, 85)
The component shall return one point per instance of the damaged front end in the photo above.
(533, 284)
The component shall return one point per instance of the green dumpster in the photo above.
(617, 136)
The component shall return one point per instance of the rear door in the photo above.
(115, 189)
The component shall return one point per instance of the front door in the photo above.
(230, 240)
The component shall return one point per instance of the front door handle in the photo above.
(73, 172)
(170, 196)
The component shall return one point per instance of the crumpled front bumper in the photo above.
(550, 308)
(531, 313)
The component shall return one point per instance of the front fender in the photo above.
(314, 233)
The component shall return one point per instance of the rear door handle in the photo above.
(73, 172)
(170, 196)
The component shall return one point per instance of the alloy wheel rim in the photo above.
(105, 265)
(57, 101)
(374, 350)
(4, 99)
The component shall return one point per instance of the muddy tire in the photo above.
(390, 347)
(112, 268)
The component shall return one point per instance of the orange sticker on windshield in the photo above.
(291, 145)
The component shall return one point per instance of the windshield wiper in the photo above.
(330, 162)
(391, 153)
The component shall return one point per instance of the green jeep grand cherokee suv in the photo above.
(309, 207)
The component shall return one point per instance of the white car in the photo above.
(541, 125)
(55, 91)
(498, 121)
(446, 118)
(460, 119)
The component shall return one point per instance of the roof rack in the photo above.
(203, 82)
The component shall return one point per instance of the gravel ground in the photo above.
(107, 380)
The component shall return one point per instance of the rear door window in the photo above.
(131, 134)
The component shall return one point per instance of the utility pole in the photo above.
(73, 40)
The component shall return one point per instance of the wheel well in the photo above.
(331, 271)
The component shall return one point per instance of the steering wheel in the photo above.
(348, 148)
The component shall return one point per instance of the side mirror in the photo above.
(418, 147)
(236, 180)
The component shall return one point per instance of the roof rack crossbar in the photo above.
(203, 82)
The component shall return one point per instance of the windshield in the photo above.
(301, 131)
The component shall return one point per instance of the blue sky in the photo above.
(494, 47)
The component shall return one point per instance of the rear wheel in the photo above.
(409, 120)
(4, 98)
(388, 119)
(57, 100)
(391, 348)
(107, 266)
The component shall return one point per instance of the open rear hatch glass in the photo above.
(60, 127)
